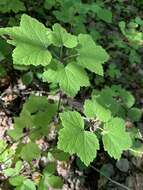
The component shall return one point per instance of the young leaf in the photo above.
(91, 56)
(94, 109)
(31, 41)
(9, 172)
(70, 78)
(13, 171)
(122, 26)
(16, 181)
(28, 185)
(60, 37)
(131, 34)
(18, 167)
(75, 140)
(30, 151)
(115, 138)
(102, 106)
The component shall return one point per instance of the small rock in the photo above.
(123, 165)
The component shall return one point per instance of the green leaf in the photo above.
(12, 5)
(9, 172)
(31, 41)
(36, 103)
(91, 56)
(139, 21)
(122, 26)
(5, 48)
(16, 181)
(36, 114)
(18, 167)
(50, 168)
(28, 185)
(126, 96)
(90, 109)
(30, 151)
(15, 134)
(19, 124)
(7, 154)
(134, 114)
(131, 34)
(60, 37)
(102, 106)
(54, 181)
(105, 15)
(70, 77)
(42, 184)
(115, 138)
(59, 155)
(27, 78)
(66, 12)
(94, 109)
(75, 140)
(13, 171)
(113, 71)
(48, 4)
(49, 180)
(102, 13)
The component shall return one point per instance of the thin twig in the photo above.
(136, 151)
(9, 158)
(113, 181)
(70, 56)
(59, 102)
(100, 128)
(57, 57)
(61, 54)
(7, 146)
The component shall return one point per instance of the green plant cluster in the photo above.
(67, 60)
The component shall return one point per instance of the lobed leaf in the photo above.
(60, 37)
(31, 41)
(91, 56)
(102, 106)
(75, 140)
(70, 77)
(115, 138)
(30, 151)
